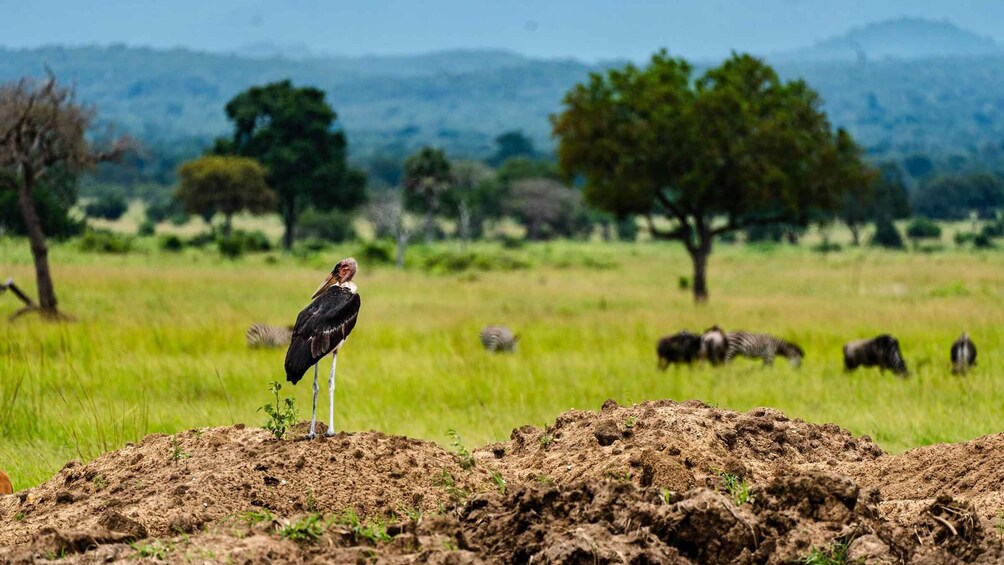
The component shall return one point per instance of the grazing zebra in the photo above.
(264, 335)
(882, 351)
(714, 345)
(963, 354)
(762, 346)
(498, 338)
(682, 347)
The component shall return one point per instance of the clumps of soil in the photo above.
(658, 482)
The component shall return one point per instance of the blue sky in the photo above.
(582, 29)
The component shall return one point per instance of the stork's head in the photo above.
(342, 273)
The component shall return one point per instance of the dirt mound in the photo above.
(672, 445)
(659, 482)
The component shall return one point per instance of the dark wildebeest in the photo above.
(683, 347)
(714, 345)
(882, 350)
(963, 354)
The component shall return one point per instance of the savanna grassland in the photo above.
(158, 342)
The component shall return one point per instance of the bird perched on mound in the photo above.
(322, 328)
(963, 354)
(264, 335)
(498, 338)
(5, 486)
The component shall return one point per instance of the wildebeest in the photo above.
(762, 346)
(682, 347)
(963, 354)
(882, 351)
(714, 345)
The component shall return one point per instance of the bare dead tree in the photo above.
(386, 213)
(42, 127)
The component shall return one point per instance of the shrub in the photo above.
(923, 228)
(146, 228)
(201, 240)
(231, 247)
(993, 230)
(104, 241)
(335, 226)
(886, 235)
(171, 243)
(108, 206)
(983, 242)
(453, 262)
(376, 252)
(253, 242)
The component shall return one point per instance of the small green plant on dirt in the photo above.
(619, 475)
(464, 457)
(282, 416)
(156, 549)
(51, 555)
(836, 554)
(736, 487)
(630, 422)
(449, 545)
(445, 479)
(544, 480)
(667, 495)
(19, 516)
(252, 517)
(1000, 525)
(373, 529)
(311, 501)
(176, 453)
(100, 483)
(499, 481)
(306, 529)
(413, 514)
(546, 439)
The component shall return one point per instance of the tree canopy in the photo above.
(955, 197)
(427, 176)
(224, 184)
(733, 148)
(289, 131)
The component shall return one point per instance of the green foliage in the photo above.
(109, 205)
(923, 228)
(155, 549)
(231, 247)
(306, 529)
(334, 226)
(464, 457)
(499, 481)
(252, 517)
(289, 131)
(53, 197)
(736, 487)
(165, 209)
(448, 261)
(104, 241)
(146, 228)
(836, 554)
(548, 209)
(373, 529)
(512, 144)
(177, 454)
(224, 184)
(280, 416)
(886, 235)
(954, 197)
(376, 252)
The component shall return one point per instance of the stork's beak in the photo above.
(324, 285)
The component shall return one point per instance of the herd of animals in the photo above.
(716, 346)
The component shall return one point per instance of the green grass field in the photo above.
(158, 345)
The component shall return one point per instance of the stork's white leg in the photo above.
(331, 397)
(313, 410)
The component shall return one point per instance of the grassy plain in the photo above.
(158, 345)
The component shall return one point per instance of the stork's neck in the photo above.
(350, 286)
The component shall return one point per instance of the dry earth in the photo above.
(648, 483)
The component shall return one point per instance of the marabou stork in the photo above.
(322, 328)
(963, 354)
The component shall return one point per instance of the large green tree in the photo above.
(733, 148)
(427, 176)
(42, 134)
(290, 132)
(224, 184)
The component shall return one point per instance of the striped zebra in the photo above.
(264, 335)
(498, 338)
(762, 346)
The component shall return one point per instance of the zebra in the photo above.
(714, 345)
(762, 346)
(963, 354)
(682, 347)
(881, 350)
(498, 338)
(264, 335)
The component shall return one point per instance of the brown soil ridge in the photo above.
(640, 483)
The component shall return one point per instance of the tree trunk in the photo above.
(855, 235)
(289, 221)
(39, 250)
(226, 224)
(430, 217)
(465, 224)
(699, 253)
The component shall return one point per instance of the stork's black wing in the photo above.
(320, 328)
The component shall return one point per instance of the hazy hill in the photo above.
(461, 100)
(904, 38)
